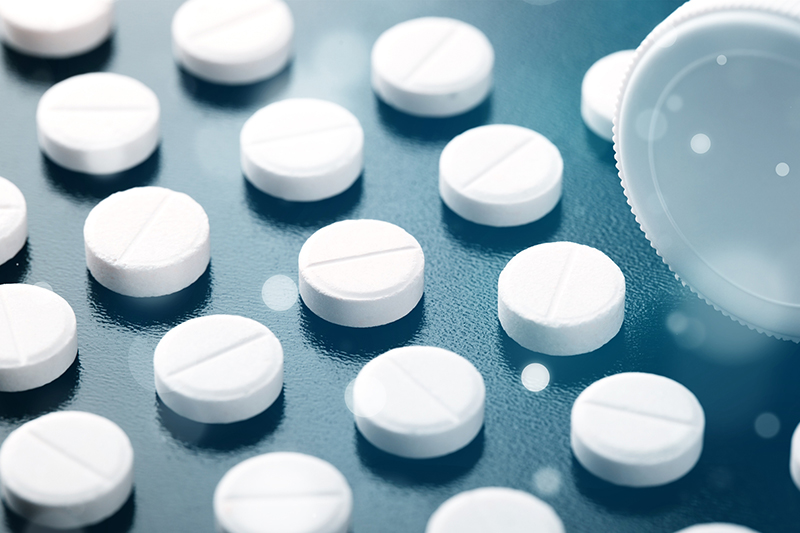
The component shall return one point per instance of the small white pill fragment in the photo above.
(717, 528)
(66, 470)
(600, 91)
(637, 430)
(99, 123)
(38, 337)
(283, 492)
(794, 466)
(233, 42)
(302, 149)
(361, 273)
(432, 402)
(494, 509)
(561, 298)
(500, 175)
(13, 220)
(219, 369)
(55, 28)
(147, 241)
(432, 67)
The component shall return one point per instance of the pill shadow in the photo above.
(276, 212)
(490, 239)
(46, 72)
(432, 129)
(235, 96)
(120, 522)
(88, 188)
(348, 344)
(16, 269)
(601, 148)
(221, 437)
(162, 312)
(18, 407)
(413, 473)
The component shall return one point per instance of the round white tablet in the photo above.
(66, 470)
(302, 149)
(99, 123)
(494, 509)
(55, 28)
(219, 369)
(361, 273)
(38, 337)
(432, 67)
(717, 528)
(500, 175)
(419, 402)
(13, 220)
(561, 298)
(795, 457)
(283, 492)
(233, 41)
(600, 91)
(147, 241)
(637, 430)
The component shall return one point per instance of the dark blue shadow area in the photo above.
(17, 407)
(49, 71)
(16, 269)
(432, 129)
(120, 522)
(235, 96)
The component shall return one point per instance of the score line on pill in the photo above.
(13, 220)
(500, 175)
(600, 91)
(637, 430)
(283, 491)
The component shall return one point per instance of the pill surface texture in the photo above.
(500, 175)
(66, 470)
(795, 457)
(99, 123)
(147, 241)
(233, 42)
(219, 369)
(38, 337)
(561, 298)
(717, 528)
(361, 273)
(600, 91)
(637, 430)
(55, 28)
(432, 67)
(283, 492)
(419, 402)
(13, 220)
(302, 149)
(494, 509)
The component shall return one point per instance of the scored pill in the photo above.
(281, 492)
(147, 241)
(430, 402)
(361, 273)
(68, 469)
(13, 220)
(637, 430)
(219, 369)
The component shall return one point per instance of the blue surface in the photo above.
(542, 54)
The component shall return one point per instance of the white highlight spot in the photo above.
(535, 377)
(767, 425)
(782, 169)
(140, 362)
(701, 143)
(689, 332)
(651, 125)
(279, 293)
(547, 481)
(44, 285)
(372, 401)
(674, 103)
(721, 59)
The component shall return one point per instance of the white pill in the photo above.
(795, 457)
(600, 91)
(99, 123)
(500, 175)
(13, 220)
(233, 42)
(281, 493)
(66, 470)
(55, 28)
(419, 402)
(561, 298)
(717, 528)
(38, 337)
(361, 273)
(219, 369)
(302, 149)
(147, 241)
(432, 67)
(637, 430)
(494, 509)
